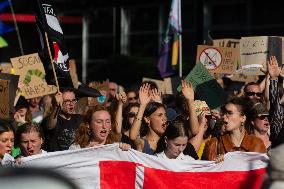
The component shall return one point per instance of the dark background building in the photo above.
(120, 39)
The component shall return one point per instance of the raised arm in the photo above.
(52, 119)
(197, 140)
(144, 99)
(156, 96)
(188, 93)
(121, 97)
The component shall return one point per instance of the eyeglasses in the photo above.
(68, 102)
(262, 117)
(253, 94)
(131, 114)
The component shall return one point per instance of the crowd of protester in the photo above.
(166, 125)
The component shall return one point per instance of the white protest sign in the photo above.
(255, 52)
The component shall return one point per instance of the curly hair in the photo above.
(83, 134)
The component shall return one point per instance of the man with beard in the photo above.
(60, 127)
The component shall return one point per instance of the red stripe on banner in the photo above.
(117, 174)
(154, 178)
(29, 18)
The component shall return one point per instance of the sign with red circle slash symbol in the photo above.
(211, 58)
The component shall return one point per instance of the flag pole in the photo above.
(50, 57)
(180, 40)
(16, 27)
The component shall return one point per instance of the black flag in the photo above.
(47, 22)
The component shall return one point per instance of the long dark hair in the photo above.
(176, 128)
(150, 108)
(5, 127)
(125, 114)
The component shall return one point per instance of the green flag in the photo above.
(3, 43)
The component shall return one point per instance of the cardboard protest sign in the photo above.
(231, 43)
(201, 106)
(168, 85)
(243, 78)
(160, 83)
(171, 84)
(205, 86)
(13, 86)
(4, 99)
(255, 52)
(218, 59)
(32, 74)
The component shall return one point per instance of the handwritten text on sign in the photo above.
(32, 74)
(218, 59)
(4, 99)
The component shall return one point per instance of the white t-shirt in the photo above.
(180, 157)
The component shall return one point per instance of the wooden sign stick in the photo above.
(50, 57)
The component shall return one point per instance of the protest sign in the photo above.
(32, 74)
(171, 84)
(13, 86)
(4, 99)
(255, 52)
(218, 59)
(205, 86)
(231, 43)
(243, 78)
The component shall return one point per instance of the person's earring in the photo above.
(242, 126)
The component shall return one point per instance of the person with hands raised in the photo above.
(59, 128)
(156, 96)
(188, 93)
(144, 99)
(276, 98)
(152, 117)
(121, 98)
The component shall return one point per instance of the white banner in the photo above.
(110, 167)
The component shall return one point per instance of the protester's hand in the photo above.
(156, 96)
(21, 85)
(219, 158)
(273, 69)
(144, 96)
(124, 146)
(187, 90)
(203, 121)
(19, 160)
(59, 99)
(19, 119)
(121, 97)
